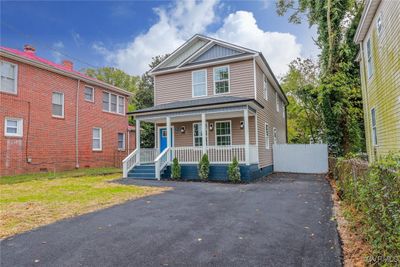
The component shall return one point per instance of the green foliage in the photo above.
(175, 169)
(234, 171)
(375, 193)
(204, 167)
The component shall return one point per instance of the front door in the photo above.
(163, 138)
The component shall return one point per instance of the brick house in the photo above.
(55, 118)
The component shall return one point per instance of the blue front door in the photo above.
(163, 138)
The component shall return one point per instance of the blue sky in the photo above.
(127, 34)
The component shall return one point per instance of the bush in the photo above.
(375, 193)
(204, 168)
(234, 171)
(175, 169)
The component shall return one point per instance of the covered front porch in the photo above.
(223, 133)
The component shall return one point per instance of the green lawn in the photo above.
(34, 200)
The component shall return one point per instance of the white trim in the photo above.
(193, 84)
(255, 78)
(123, 139)
(84, 94)
(229, 79)
(15, 78)
(63, 104)
(215, 129)
(20, 127)
(373, 138)
(267, 145)
(158, 136)
(369, 72)
(100, 138)
(199, 123)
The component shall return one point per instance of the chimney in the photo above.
(29, 49)
(68, 64)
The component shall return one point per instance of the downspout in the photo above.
(286, 124)
(77, 126)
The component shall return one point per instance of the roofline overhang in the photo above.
(62, 72)
(199, 107)
(366, 19)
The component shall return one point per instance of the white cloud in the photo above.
(178, 22)
(57, 48)
(77, 38)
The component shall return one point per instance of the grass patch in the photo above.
(37, 201)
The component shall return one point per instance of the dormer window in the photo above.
(221, 80)
(199, 83)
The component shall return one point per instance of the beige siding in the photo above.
(382, 90)
(268, 115)
(178, 86)
(186, 139)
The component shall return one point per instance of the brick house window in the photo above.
(373, 126)
(121, 141)
(89, 93)
(266, 136)
(275, 136)
(113, 103)
(223, 134)
(106, 101)
(13, 127)
(9, 74)
(97, 139)
(58, 105)
(221, 80)
(121, 104)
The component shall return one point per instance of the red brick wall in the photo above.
(50, 142)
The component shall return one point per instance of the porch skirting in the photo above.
(219, 172)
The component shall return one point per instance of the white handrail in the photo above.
(161, 161)
(129, 162)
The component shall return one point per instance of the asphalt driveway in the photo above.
(282, 221)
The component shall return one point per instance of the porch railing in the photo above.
(129, 162)
(148, 155)
(161, 161)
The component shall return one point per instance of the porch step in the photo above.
(143, 172)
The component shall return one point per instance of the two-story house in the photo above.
(216, 98)
(54, 118)
(378, 35)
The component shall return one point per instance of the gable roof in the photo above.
(32, 59)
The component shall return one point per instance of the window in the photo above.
(96, 142)
(58, 105)
(221, 80)
(277, 101)
(373, 125)
(266, 136)
(369, 58)
(13, 127)
(121, 104)
(275, 136)
(265, 87)
(198, 135)
(223, 133)
(9, 74)
(89, 93)
(121, 141)
(112, 102)
(199, 83)
(379, 25)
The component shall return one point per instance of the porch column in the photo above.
(168, 138)
(203, 132)
(138, 141)
(246, 136)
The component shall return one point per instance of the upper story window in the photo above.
(369, 58)
(113, 103)
(266, 136)
(13, 127)
(373, 126)
(379, 25)
(89, 93)
(265, 87)
(223, 133)
(58, 105)
(9, 74)
(277, 101)
(221, 80)
(198, 134)
(199, 83)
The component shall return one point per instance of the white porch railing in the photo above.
(161, 161)
(148, 155)
(129, 162)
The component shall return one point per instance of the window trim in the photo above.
(374, 137)
(265, 87)
(275, 135)
(109, 103)
(63, 105)
(229, 80)
(193, 84)
(266, 136)
(100, 138)
(124, 142)
(15, 79)
(84, 95)
(368, 58)
(230, 134)
(20, 127)
(207, 134)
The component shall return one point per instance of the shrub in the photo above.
(375, 193)
(204, 168)
(175, 169)
(234, 171)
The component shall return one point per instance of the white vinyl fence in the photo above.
(300, 158)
